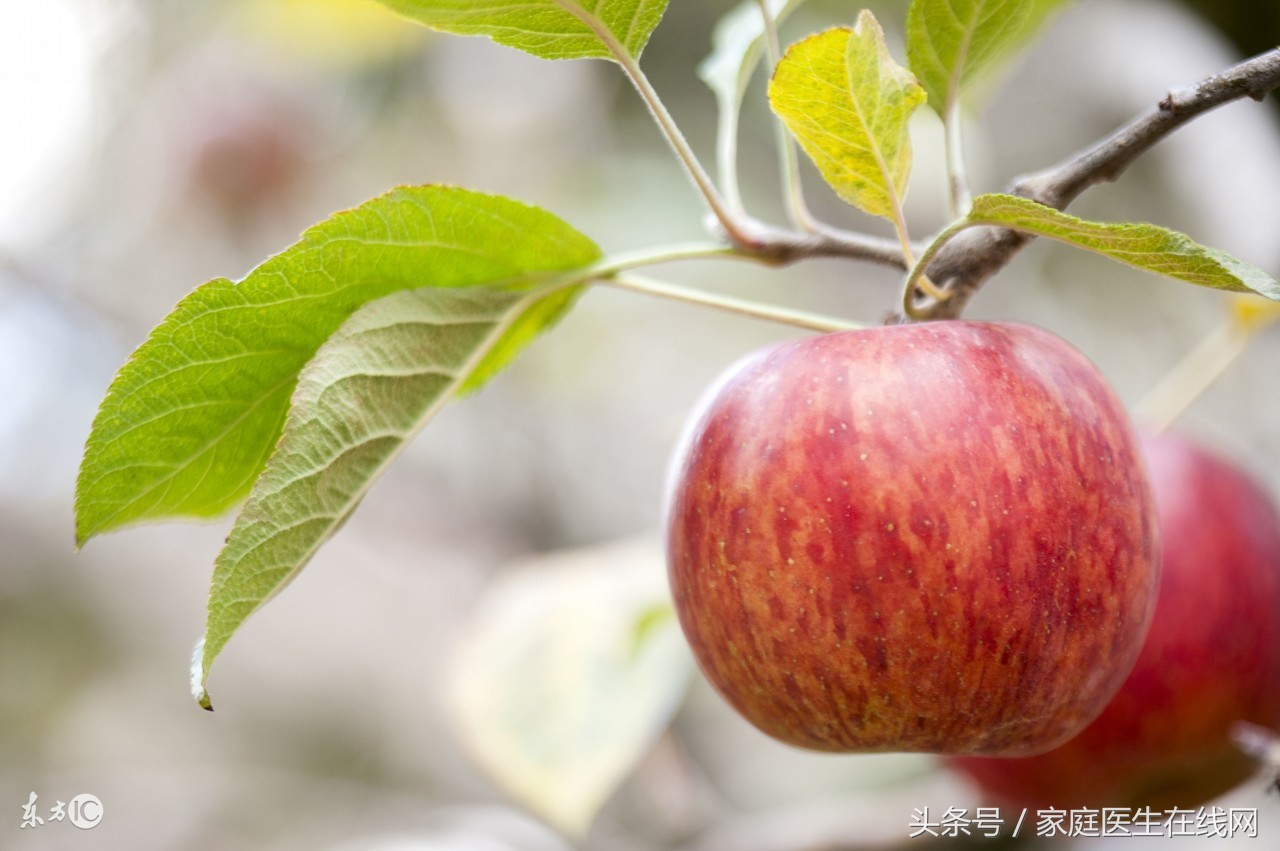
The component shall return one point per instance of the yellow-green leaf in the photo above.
(1156, 249)
(550, 29)
(847, 101)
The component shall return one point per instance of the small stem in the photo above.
(793, 189)
(957, 174)
(679, 145)
(670, 130)
(899, 223)
(768, 246)
(904, 240)
(1193, 375)
(741, 307)
(727, 162)
(778, 245)
(773, 47)
(797, 209)
(624, 260)
(915, 277)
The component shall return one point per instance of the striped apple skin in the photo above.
(1211, 657)
(934, 537)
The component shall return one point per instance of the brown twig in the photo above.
(965, 263)
(781, 246)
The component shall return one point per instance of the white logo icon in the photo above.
(84, 811)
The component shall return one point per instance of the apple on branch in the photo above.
(934, 537)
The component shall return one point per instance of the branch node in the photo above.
(1177, 99)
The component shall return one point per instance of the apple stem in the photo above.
(916, 278)
(741, 307)
(1193, 375)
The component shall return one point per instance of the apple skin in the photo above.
(1211, 658)
(935, 537)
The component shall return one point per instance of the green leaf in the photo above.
(1156, 249)
(950, 43)
(549, 29)
(369, 389)
(190, 419)
(847, 102)
(571, 669)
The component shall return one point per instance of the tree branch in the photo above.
(779, 246)
(966, 262)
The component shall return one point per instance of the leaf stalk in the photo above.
(741, 307)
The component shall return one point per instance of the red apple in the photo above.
(1212, 656)
(934, 537)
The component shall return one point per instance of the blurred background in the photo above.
(146, 147)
